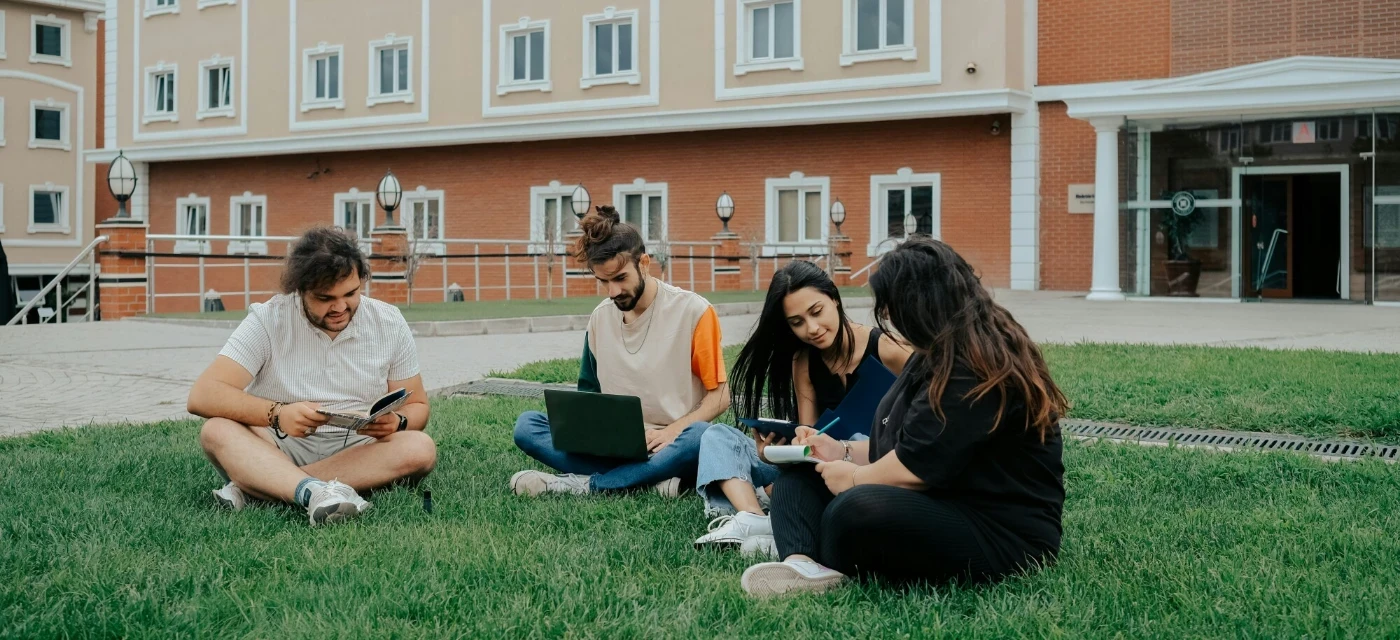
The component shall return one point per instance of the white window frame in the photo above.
(153, 9)
(390, 41)
(796, 180)
(2, 207)
(849, 39)
(191, 246)
(640, 187)
(258, 247)
(65, 27)
(149, 112)
(538, 195)
(309, 101)
(63, 143)
(63, 214)
(426, 246)
(506, 82)
(2, 36)
(745, 63)
(590, 23)
(354, 195)
(205, 4)
(2, 114)
(905, 178)
(205, 66)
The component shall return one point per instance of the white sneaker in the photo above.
(669, 488)
(231, 497)
(335, 502)
(733, 531)
(533, 483)
(764, 500)
(777, 578)
(759, 547)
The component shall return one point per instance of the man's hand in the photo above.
(657, 439)
(824, 447)
(381, 427)
(763, 442)
(299, 419)
(839, 476)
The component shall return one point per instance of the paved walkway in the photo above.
(81, 374)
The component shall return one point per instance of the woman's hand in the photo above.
(839, 476)
(764, 441)
(824, 447)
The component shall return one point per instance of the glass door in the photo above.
(1383, 193)
(1269, 236)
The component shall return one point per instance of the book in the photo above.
(356, 420)
(787, 454)
(857, 409)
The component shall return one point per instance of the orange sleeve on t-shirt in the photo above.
(707, 352)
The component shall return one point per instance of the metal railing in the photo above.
(89, 290)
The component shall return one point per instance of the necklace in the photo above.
(623, 325)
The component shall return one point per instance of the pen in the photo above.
(828, 426)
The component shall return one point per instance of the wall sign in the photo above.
(1081, 198)
(1183, 203)
(1304, 132)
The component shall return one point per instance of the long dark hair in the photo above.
(606, 236)
(320, 258)
(932, 297)
(766, 360)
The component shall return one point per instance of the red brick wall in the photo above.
(1066, 239)
(1103, 40)
(1216, 34)
(487, 187)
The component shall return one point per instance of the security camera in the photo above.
(971, 68)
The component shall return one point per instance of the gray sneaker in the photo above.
(335, 502)
(669, 488)
(231, 497)
(533, 483)
(777, 578)
(760, 547)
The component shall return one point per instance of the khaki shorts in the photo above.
(319, 446)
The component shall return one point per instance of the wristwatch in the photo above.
(847, 445)
(403, 422)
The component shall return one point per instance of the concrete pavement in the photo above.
(81, 374)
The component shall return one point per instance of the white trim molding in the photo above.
(803, 184)
(204, 110)
(904, 178)
(205, 4)
(310, 57)
(109, 77)
(359, 198)
(155, 8)
(2, 123)
(390, 42)
(62, 217)
(744, 61)
(850, 55)
(75, 207)
(65, 126)
(138, 88)
(425, 195)
(640, 187)
(2, 34)
(150, 113)
(258, 247)
(65, 27)
(553, 191)
(933, 76)
(2, 214)
(506, 82)
(609, 16)
(181, 228)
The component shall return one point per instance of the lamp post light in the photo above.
(580, 201)
(724, 208)
(838, 216)
(911, 225)
(389, 194)
(121, 181)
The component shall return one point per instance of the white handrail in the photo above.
(58, 279)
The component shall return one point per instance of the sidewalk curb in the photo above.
(501, 326)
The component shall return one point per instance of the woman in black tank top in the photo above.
(803, 357)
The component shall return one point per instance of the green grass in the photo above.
(1313, 393)
(575, 306)
(112, 532)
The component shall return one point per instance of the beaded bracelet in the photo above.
(274, 420)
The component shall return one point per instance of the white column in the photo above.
(1025, 200)
(1105, 283)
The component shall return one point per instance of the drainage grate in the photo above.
(1078, 429)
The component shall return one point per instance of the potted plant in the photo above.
(1183, 271)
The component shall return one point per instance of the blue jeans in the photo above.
(675, 460)
(727, 454)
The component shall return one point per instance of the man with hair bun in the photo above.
(647, 339)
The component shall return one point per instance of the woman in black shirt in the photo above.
(961, 477)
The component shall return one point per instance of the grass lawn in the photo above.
(1313, 393)
(112, 532)
(583, 305)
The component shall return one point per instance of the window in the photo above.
(48, 209)
(1387, 213)
(524, 57)
(390, 70)
(354, 212)
(1330, 129)
(893, 198)
(48, 128)
(643, 205)
(610, 49)
(1387, 126)
(322, 71)
(1275, 132)
(878, 30)
(423, 217)
(552, 214)
(160, 7)
(50, 43)
(769, 36)
(248, 217)
(160, 94)
(1229, 139)
(215, 88)
(796, 209)
(192, 219)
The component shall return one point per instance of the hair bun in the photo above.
(609, 212)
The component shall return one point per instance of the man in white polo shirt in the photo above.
(318, 345)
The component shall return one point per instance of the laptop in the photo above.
(596, 424)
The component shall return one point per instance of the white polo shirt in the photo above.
(293, 361)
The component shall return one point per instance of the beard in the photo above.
(628, 301)
(321, 323)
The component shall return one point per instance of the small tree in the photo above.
(1176, 231)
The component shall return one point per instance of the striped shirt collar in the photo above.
(350, 332)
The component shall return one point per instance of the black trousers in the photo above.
(897, 534)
